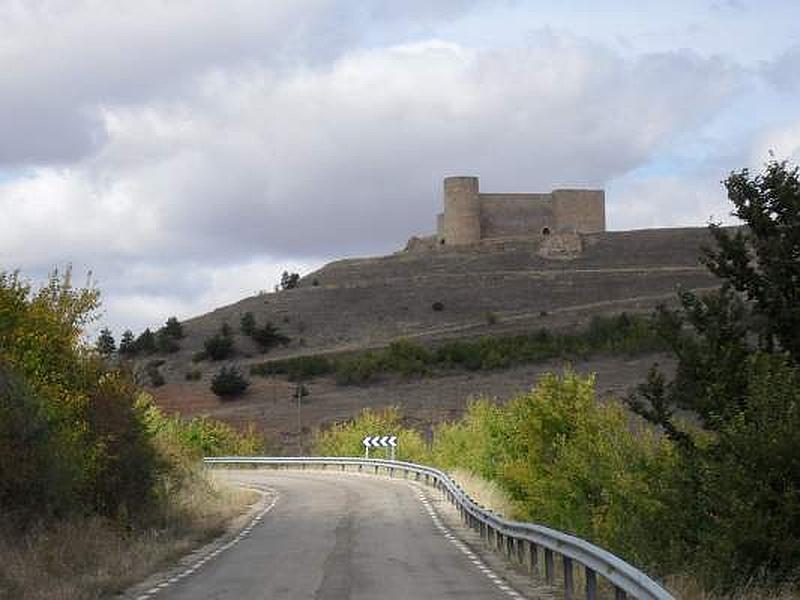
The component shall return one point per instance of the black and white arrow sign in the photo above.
(380, 441)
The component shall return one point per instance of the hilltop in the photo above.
(491, 288)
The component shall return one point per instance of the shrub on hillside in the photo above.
(218, 347)
(229, 383)
(268, 337)
(247, 324)
(437, 306)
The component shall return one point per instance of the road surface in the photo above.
(338, 536)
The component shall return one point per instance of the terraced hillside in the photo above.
(489, 288)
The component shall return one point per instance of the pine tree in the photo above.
(105, 343)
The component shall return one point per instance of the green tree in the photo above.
(106, 345)
(229, 383)
(173, 329)
(736, 506)
(146, 342)
(166, 343)
(289, 280)
(219, 347)
(127, 343)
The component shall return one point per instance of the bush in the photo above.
(345, 439)
(491, 318)
(218, 347)
(229, 383)
(268, 337)
(193, 375)
(247, 323)
(76, 411)
(437, 306)
(153, 374)
(297, 369)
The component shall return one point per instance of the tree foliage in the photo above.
(75, 435)
(289, 281)
(229, 383)
(106, 345)
(736, 501)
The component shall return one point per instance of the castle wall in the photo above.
(579, 211)
(515, 215)
(470, 216)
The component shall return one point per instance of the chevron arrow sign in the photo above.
(379, 441)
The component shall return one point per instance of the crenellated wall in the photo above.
(470, 216)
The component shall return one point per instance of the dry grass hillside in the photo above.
(492, 288)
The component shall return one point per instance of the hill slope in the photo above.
(360, 303)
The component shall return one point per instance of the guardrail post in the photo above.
(509, 547)
(533, 558)
(619, 594)
(569, 582)
(591, 584)
(549, 575)
(521, 551)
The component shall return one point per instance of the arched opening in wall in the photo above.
(545, 231)
(441, 241)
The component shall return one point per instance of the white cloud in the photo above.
(189, 152)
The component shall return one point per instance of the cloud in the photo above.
(174, 150)
(61, 59)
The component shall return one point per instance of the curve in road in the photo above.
(343, 536)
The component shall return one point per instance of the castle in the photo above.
(471, 216)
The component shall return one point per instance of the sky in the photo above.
(188, 152)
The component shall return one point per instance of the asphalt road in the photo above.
(337, 536)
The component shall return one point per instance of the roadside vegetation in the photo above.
(621, 334)
(700, 484)
(97, 486)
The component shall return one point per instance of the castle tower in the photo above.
(461, 222)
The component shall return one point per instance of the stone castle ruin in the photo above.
(471, 216)
(557, 218)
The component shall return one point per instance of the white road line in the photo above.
(194, 566)
(501, 584)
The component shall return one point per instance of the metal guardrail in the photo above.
(517, 541)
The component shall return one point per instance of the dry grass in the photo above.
(484, 492)
(688, 588)
(91, 558)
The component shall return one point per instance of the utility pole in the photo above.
(299, 393)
